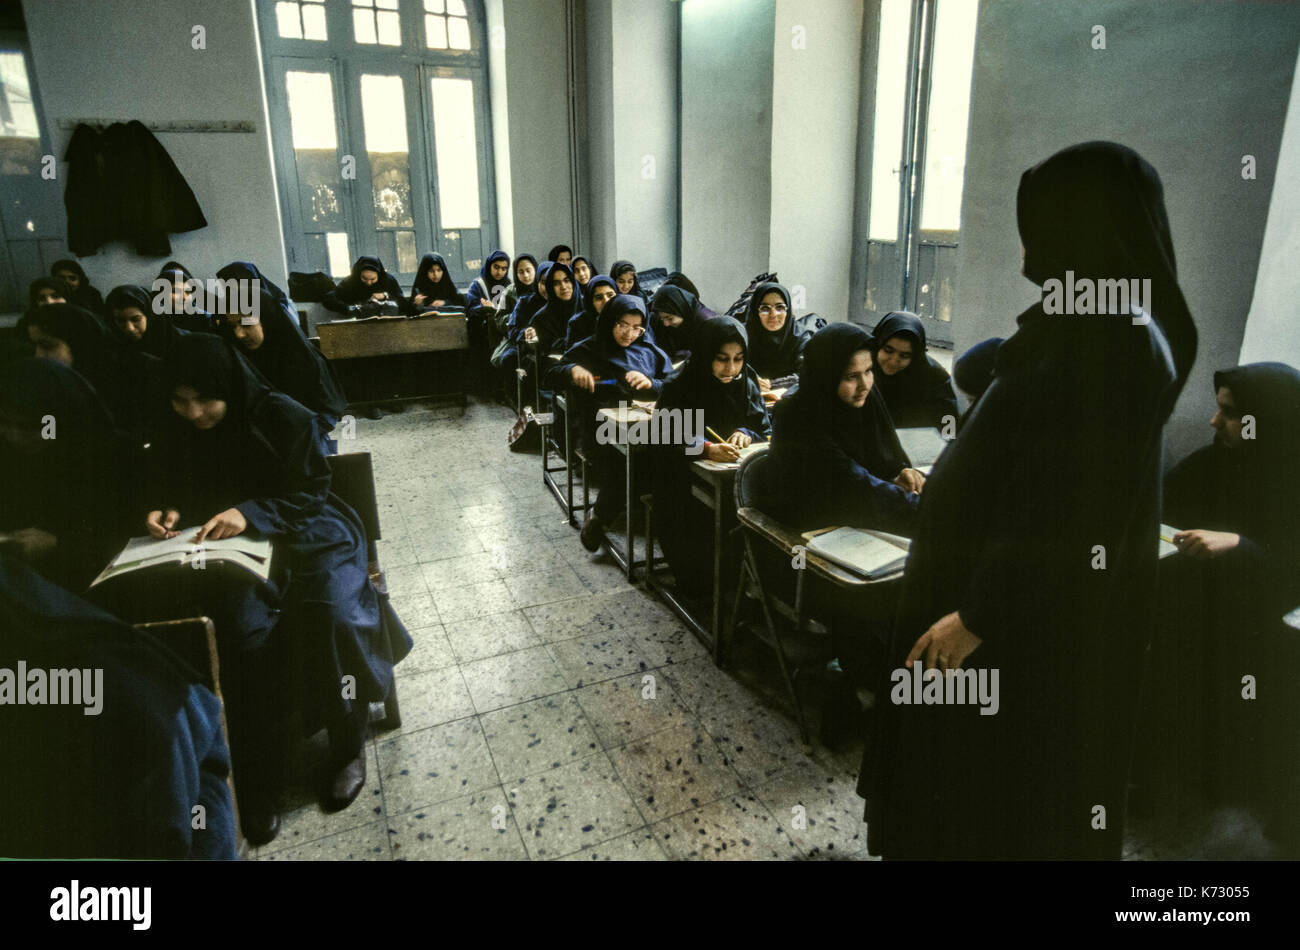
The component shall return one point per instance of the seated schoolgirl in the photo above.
(678, 279)
(273, 342)
(433, 286)
(133, 321)
(616, 363)
(583, 272)
(241, 458)
(546, 330)
(367, 282)
(561, 254)
(189, 306)
(675, 316)
(713, 387)
(488, 289)
(600, 291)
(775, 343)
(627, 281)
(916, 388)
(83, 292)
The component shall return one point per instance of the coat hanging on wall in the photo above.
(122, 185)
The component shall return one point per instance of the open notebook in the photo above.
(140, 554)
(1167, 546)
(731, 466)
(922, 444)
(872, 554)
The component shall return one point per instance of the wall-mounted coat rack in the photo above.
(196, 125)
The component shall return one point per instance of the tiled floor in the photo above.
(550, 709)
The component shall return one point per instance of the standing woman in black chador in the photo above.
(433, 286)
(716, 384)
(916, 388)
(775, 344)
(368, 281)
(273, 342)
(83, 292)
(1048, 579)
(241, 458)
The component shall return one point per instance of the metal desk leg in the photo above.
(717, 573)
(631, 532)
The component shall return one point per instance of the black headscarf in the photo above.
(583, 325)
(773, 354)
(727, 406)
(590, 267)
(216, 370)
(52, 283)
(675, 341)
(444, 290)
(1270, 392)
(94, 349)
(351, 290)
(1098, 209)
(483, 285)
(815, 411)
(557, 250)
(921, 394)
(619, 268)
(973, 370)
(552, 320)
(678, 279)
(159, 331)
(601, 353)
(286, 358)
(518, 289)
(85, 296)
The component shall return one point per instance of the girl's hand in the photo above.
(484, 303)
(159, 526)
(438, 303)
(764, 384)
(945, 645)
(583, 378)
(227, 524)
(721, 452)
(1200, 543)
(379, 295)
(638, 380)
(909, 479)
(419, 300)
(530, 335)
(740, 440)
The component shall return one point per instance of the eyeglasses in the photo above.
(767, 311)
(631, 328)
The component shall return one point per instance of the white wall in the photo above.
(499, 103)
(1273, 325)
(814, 148)
(121, 60)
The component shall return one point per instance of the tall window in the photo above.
(32, 222)
(918, 165)
(380, 127)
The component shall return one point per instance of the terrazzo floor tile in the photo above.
(588, 660)
(538, 736)
(431, 651)
(510, 559)
(545, 587)
(734, 829)
(432, 698)
(457, 571)
(434, 765)
(578, 617)
(831, 810)
(622, 711)
(758, 743)
(492, 635)
(415, 610)
(562, 810)
(513, 678)
(474, 600)
(368, 842)
(673, 771)
(478, 827)
(668, 642)
(638, 846)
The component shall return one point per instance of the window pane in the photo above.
(390, 31)
(945, 144)
(286, 21)
(383, 109)
(456, 7)
(315, 149)
(313, 22)
(456, 152)
(407, 262)
(340, 259)
(433, 6)
(17, 115)
(891, 100)
(311, 110)
(458, 32)
(435, 30)
(363, 25)
(386, 4)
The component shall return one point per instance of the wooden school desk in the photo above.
(395, 336)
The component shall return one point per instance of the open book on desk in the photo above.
(747, 451)
(250, 554)
(872, 554)
(923, 445)
(1167, 546)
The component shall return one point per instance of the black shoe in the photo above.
(260, 826)
(346, 784)
(593, 533)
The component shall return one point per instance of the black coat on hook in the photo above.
(122, 185)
